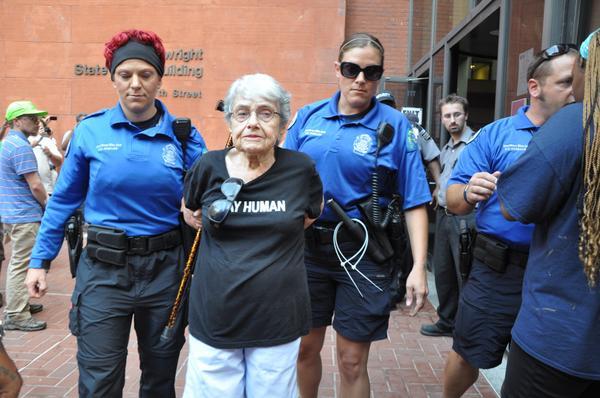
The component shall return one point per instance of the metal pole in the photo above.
(502, 63)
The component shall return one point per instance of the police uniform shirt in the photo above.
(130, 179)
(558, 320)
(344, 151)
(494, 148)
(427, 146)
(448, 158)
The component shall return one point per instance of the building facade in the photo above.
(481, 49)
(51, 50)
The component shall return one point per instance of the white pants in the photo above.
(245, 372)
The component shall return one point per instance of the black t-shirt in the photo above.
(249, 287)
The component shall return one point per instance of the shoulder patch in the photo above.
(411, 139)
(423, 133)
(474, 136)
(291, 123)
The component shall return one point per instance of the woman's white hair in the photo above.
(259, 86)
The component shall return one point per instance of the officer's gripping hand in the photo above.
(192, 218)
(36, 282)
(481, 186)
(416, 289)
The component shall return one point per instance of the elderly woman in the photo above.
(126, 163)
(249, 300)
(347, 138)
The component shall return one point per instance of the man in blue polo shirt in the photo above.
(555, 351)
(491, 296)
(22, 200)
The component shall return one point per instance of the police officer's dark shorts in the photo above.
(527, 377)
(487, 310)
(332, 294)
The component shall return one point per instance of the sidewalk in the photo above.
(406, 365)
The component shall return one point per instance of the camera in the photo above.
(47, 130)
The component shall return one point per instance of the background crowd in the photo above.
(311, 223)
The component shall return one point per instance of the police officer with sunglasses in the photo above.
(357, 161)
(491, 297)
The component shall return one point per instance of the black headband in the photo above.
(136, 50)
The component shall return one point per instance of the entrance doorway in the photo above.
(474, 68)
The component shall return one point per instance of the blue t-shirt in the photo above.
(559, 319)
(17, 203)
(494, 148)
(130, 179)
(343, 148)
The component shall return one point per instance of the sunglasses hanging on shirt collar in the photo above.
(220, 208)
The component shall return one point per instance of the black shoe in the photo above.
(435, 330)
(35, 308)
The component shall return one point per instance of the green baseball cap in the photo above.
(20, 108)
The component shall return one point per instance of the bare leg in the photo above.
(310, 367)
(458, 376)
(352, 359)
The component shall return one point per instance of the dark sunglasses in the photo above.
(351, 71)
(549, 53)
(219, 209)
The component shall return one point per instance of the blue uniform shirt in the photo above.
(17, 203)
(130, 179)
(344, 152)
(559, 316)
(494, 148)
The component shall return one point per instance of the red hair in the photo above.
(143, 36)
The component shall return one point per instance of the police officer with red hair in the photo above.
(127, 164)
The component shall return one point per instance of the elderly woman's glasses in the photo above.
(264, 115)
(549, 53)
(220, 208)
(351, 71)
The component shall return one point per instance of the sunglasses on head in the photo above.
(219, 209)
(351, 71)
(549, 53)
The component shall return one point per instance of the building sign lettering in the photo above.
(171, 70)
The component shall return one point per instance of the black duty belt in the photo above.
(111, 245)
(323, 234)
(496, 254)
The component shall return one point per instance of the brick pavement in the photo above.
(405, 365)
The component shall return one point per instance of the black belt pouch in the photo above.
(491, 252)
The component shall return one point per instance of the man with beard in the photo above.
(454, 110)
